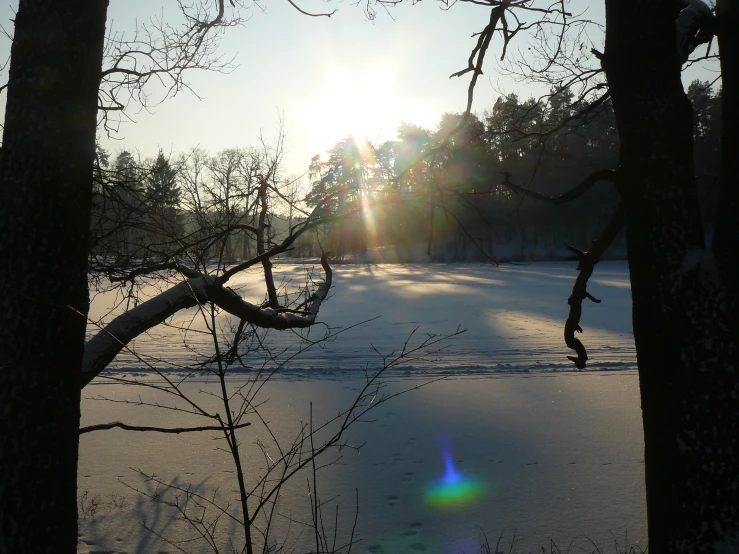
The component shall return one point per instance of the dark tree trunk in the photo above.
(684, 307)
(45, 197)
(726, 243)
(263, 229)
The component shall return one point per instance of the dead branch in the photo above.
(475, 65)
(587, 261)
(266, 262)
(172, 430)
(309, 14)
(129, 276)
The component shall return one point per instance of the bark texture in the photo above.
(726, 244)
(45, 196)
(684, 304)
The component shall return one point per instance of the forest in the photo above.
(419, 197)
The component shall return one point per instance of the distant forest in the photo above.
(427, 195)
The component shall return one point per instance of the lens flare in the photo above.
(451, 475)
(370, 222)
(452, 490)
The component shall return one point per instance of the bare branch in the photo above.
(171, 430)
(483, 42)
(570, 195)
(587, 261)
(162, 53)
(325, 14)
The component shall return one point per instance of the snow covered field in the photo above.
(514, 316)
(555, 453)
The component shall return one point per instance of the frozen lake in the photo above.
(514, 316)
(557, 454)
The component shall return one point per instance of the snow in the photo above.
(559, 452)
(108, 340)
(514, 316)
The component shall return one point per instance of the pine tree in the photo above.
(162, 195)
(162, 190)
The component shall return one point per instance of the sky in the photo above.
(324, 78)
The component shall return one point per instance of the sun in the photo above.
(363, 102)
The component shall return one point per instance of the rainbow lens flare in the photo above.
(453, 490)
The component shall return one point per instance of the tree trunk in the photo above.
(45, 199)
(684, 309)
(727, 229)
(262, 247)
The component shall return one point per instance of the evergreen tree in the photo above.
(162, 199)
(162, 190)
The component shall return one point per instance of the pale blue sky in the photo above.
(326, 76)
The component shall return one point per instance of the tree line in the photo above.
(428, 192)
(193, 209)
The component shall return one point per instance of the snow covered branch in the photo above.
(273, 318)
(101, 349)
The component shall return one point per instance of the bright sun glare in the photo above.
(363, 103)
